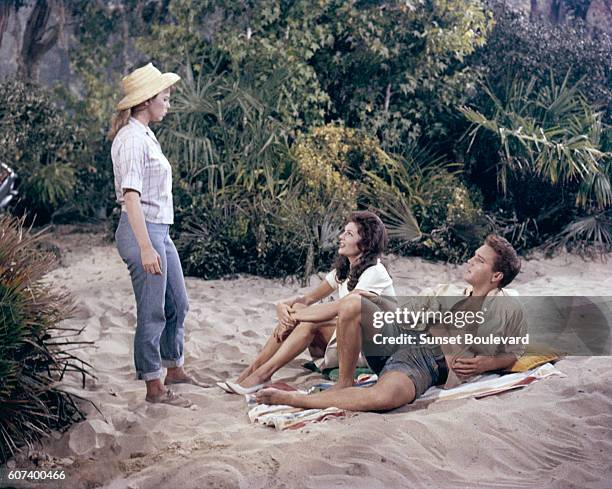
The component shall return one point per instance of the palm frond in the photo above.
(32, 360)
(551, 133)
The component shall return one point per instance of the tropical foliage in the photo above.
(53, 156)
(544, 146)
(450, 118)
(35, 350)
(528, 49)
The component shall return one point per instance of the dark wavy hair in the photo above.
(373, 242)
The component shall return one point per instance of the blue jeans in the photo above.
(161, 300)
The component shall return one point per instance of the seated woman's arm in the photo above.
(321, 291)
(321, 312)
(284, 308)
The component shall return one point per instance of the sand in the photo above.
(556, 433)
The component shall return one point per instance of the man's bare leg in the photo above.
(296, 343)
(354, 331)
(348, 334)
(393, 389)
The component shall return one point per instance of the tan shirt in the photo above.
(503, 318)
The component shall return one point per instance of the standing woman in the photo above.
(143, 186)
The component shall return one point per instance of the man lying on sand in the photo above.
(406, 372)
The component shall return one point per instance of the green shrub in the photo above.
(453, 222)
(540, 151)
(524, 48)
(33, 358)
(425, 189)
(233, 177)
(53, 156)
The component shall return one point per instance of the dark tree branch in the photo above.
(38, 39)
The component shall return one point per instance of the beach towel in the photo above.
(333, 373)
(288, 417)
(292, 418)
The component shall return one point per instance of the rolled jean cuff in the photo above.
(173, 363)
(149, 375)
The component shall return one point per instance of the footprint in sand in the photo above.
(82, 311)
(249, 333)
(107, 323)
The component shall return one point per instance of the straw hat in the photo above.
(143, 84)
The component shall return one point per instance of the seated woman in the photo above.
(302, 323)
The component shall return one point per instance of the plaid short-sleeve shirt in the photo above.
(139, 164)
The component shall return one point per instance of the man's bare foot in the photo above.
(275, 396)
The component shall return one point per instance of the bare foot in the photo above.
(245, 373)
(253, 380)
(179, 376)
(155, 389)
(275, 396)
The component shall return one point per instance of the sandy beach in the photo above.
(556, 433)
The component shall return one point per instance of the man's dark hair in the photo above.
(507, 261)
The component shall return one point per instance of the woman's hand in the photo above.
(286, 324)
(283, 314)
(281, 332)
(151, 261)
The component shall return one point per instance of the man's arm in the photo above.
(482, 363)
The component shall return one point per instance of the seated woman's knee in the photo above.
(350, 306)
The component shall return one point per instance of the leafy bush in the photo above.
(396, 69)
(451, 223)
(391, 68)
(33, 358)
(270, 81)
(234, 172)
(51, 154)
(541, 149)
(528, 49)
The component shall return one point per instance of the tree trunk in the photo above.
(534, 12)
(38, 39)
(5, 12)
(387, 97)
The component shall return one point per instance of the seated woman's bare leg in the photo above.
(296, 343)
(270, 348)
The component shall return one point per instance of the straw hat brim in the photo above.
(149, 91)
